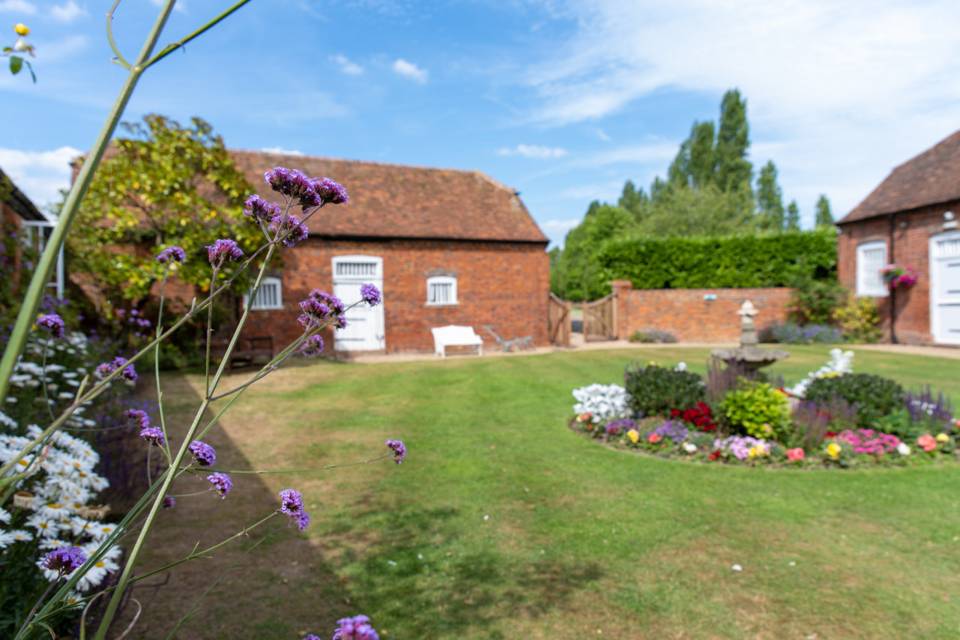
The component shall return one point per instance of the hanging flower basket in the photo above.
(896, 276)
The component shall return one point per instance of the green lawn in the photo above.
(504, 524)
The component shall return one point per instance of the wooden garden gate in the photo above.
(599, 319)
(558, 321)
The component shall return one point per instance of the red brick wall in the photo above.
(690, 316)
(911, 247)
(502, 284)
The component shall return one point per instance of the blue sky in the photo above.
(562, 100)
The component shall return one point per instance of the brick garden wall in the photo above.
(498, 283)
(911, 247)
(690, 316)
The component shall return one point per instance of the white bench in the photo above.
(455, 336)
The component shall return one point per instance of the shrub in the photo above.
(921, 413)
(728, 261)
(652, 336)
(859, 320)
(815, 301)
(873, 396)
(655, 390)
(812, 421)
(757, 409)
(792, 333)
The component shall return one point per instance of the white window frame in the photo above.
(864, 288)
(443, 280)
(268, 281)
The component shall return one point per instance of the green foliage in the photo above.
(792, 223)
(652, 336)
(704, 211)
(655, 390)
(873, 396)
(816, 301)
(577, 274)
(757, 409)
(734, 170)
(165, 185)
(823, 217)
(734, 261)
(769, 198)
(632, 199)
(859, 320)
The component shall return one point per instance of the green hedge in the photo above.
(732, 261)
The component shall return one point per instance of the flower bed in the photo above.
(848, 420)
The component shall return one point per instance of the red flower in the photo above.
(830, 434)
(714, 455)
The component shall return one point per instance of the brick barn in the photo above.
(445, 247)
(910, 220)
(21, 219)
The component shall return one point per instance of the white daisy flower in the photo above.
(4, 515)
(6, 538)
(21, 535)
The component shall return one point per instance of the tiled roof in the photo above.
(929, 178)
(17, 200)
(397, 201)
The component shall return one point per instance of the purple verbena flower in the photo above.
(318, 307)
(65, 560)
(106, 368)
(294, 184)
(355, 628)
(53, 323)
(169, 502)
(312, 346)
(139, 416)
(311, 636)
(204, 454)
(172, 254)
(260, 209)
(222, 250)
(370, 294)
(399, 450)
(152, 435)
(330, 191)
(221, 482)
(289, 228)
(291, 505)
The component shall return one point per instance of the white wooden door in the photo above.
(365, 329)
(945, 288)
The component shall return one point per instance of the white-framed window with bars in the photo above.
(441, 290)
(871, 259)
(268, 297)
(356, 268)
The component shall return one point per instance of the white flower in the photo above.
(7, 421)
(6, 538)
(602, 401)
(49, 544)
(96, 573)
(689, 447)
(4, 515)
(44, 526)
(841, 362)
(54, 510)
(681, 366)
(100, 530)
(903, 449)
(21, 535)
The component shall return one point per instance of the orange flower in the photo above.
(927, 442)
(654, 438)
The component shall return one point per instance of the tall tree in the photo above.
(577, 271)
(824, 216)
(702, 165)
(734, 170)
(769, 198)
(793, 216)
(632, 199)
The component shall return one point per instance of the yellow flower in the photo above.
(942, 437)
(21, 29)
(756, 451)
(833, 450)
(634, 436)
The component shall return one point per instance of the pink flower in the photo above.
(927, 442)
(654, 438)
(795, 455)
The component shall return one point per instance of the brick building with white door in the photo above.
(910, 220)
(444, 246)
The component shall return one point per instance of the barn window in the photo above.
(441, 290)
(871, 259)
(268, 296)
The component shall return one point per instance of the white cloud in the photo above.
(282, 151)
(603, 135)
(532, 151)
(67, 12)
(346, 65)
(410, 70)
(849, 88)
(17, 6)
(39, 174)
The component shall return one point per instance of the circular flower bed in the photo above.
(849, 420)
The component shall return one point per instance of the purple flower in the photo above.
(673, 429)
(330, 191)
(302, 521)
(105, 369)
(139, 416)
(291, 505)
(260, 209)
(370, 294)
(204, 454)
(318, 307)
(295, 184)
(53, 323)
(172, 254)
(311, 636)
(169, 502)
(399, 450)
(221, 482)
(312, 346)
(614, 427)
(223, 249)
(65, 560)
(152, 435)
(289, 228)
(355, 628)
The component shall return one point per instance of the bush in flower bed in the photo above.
(792, 333)
(655, 390)
(760, 424)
